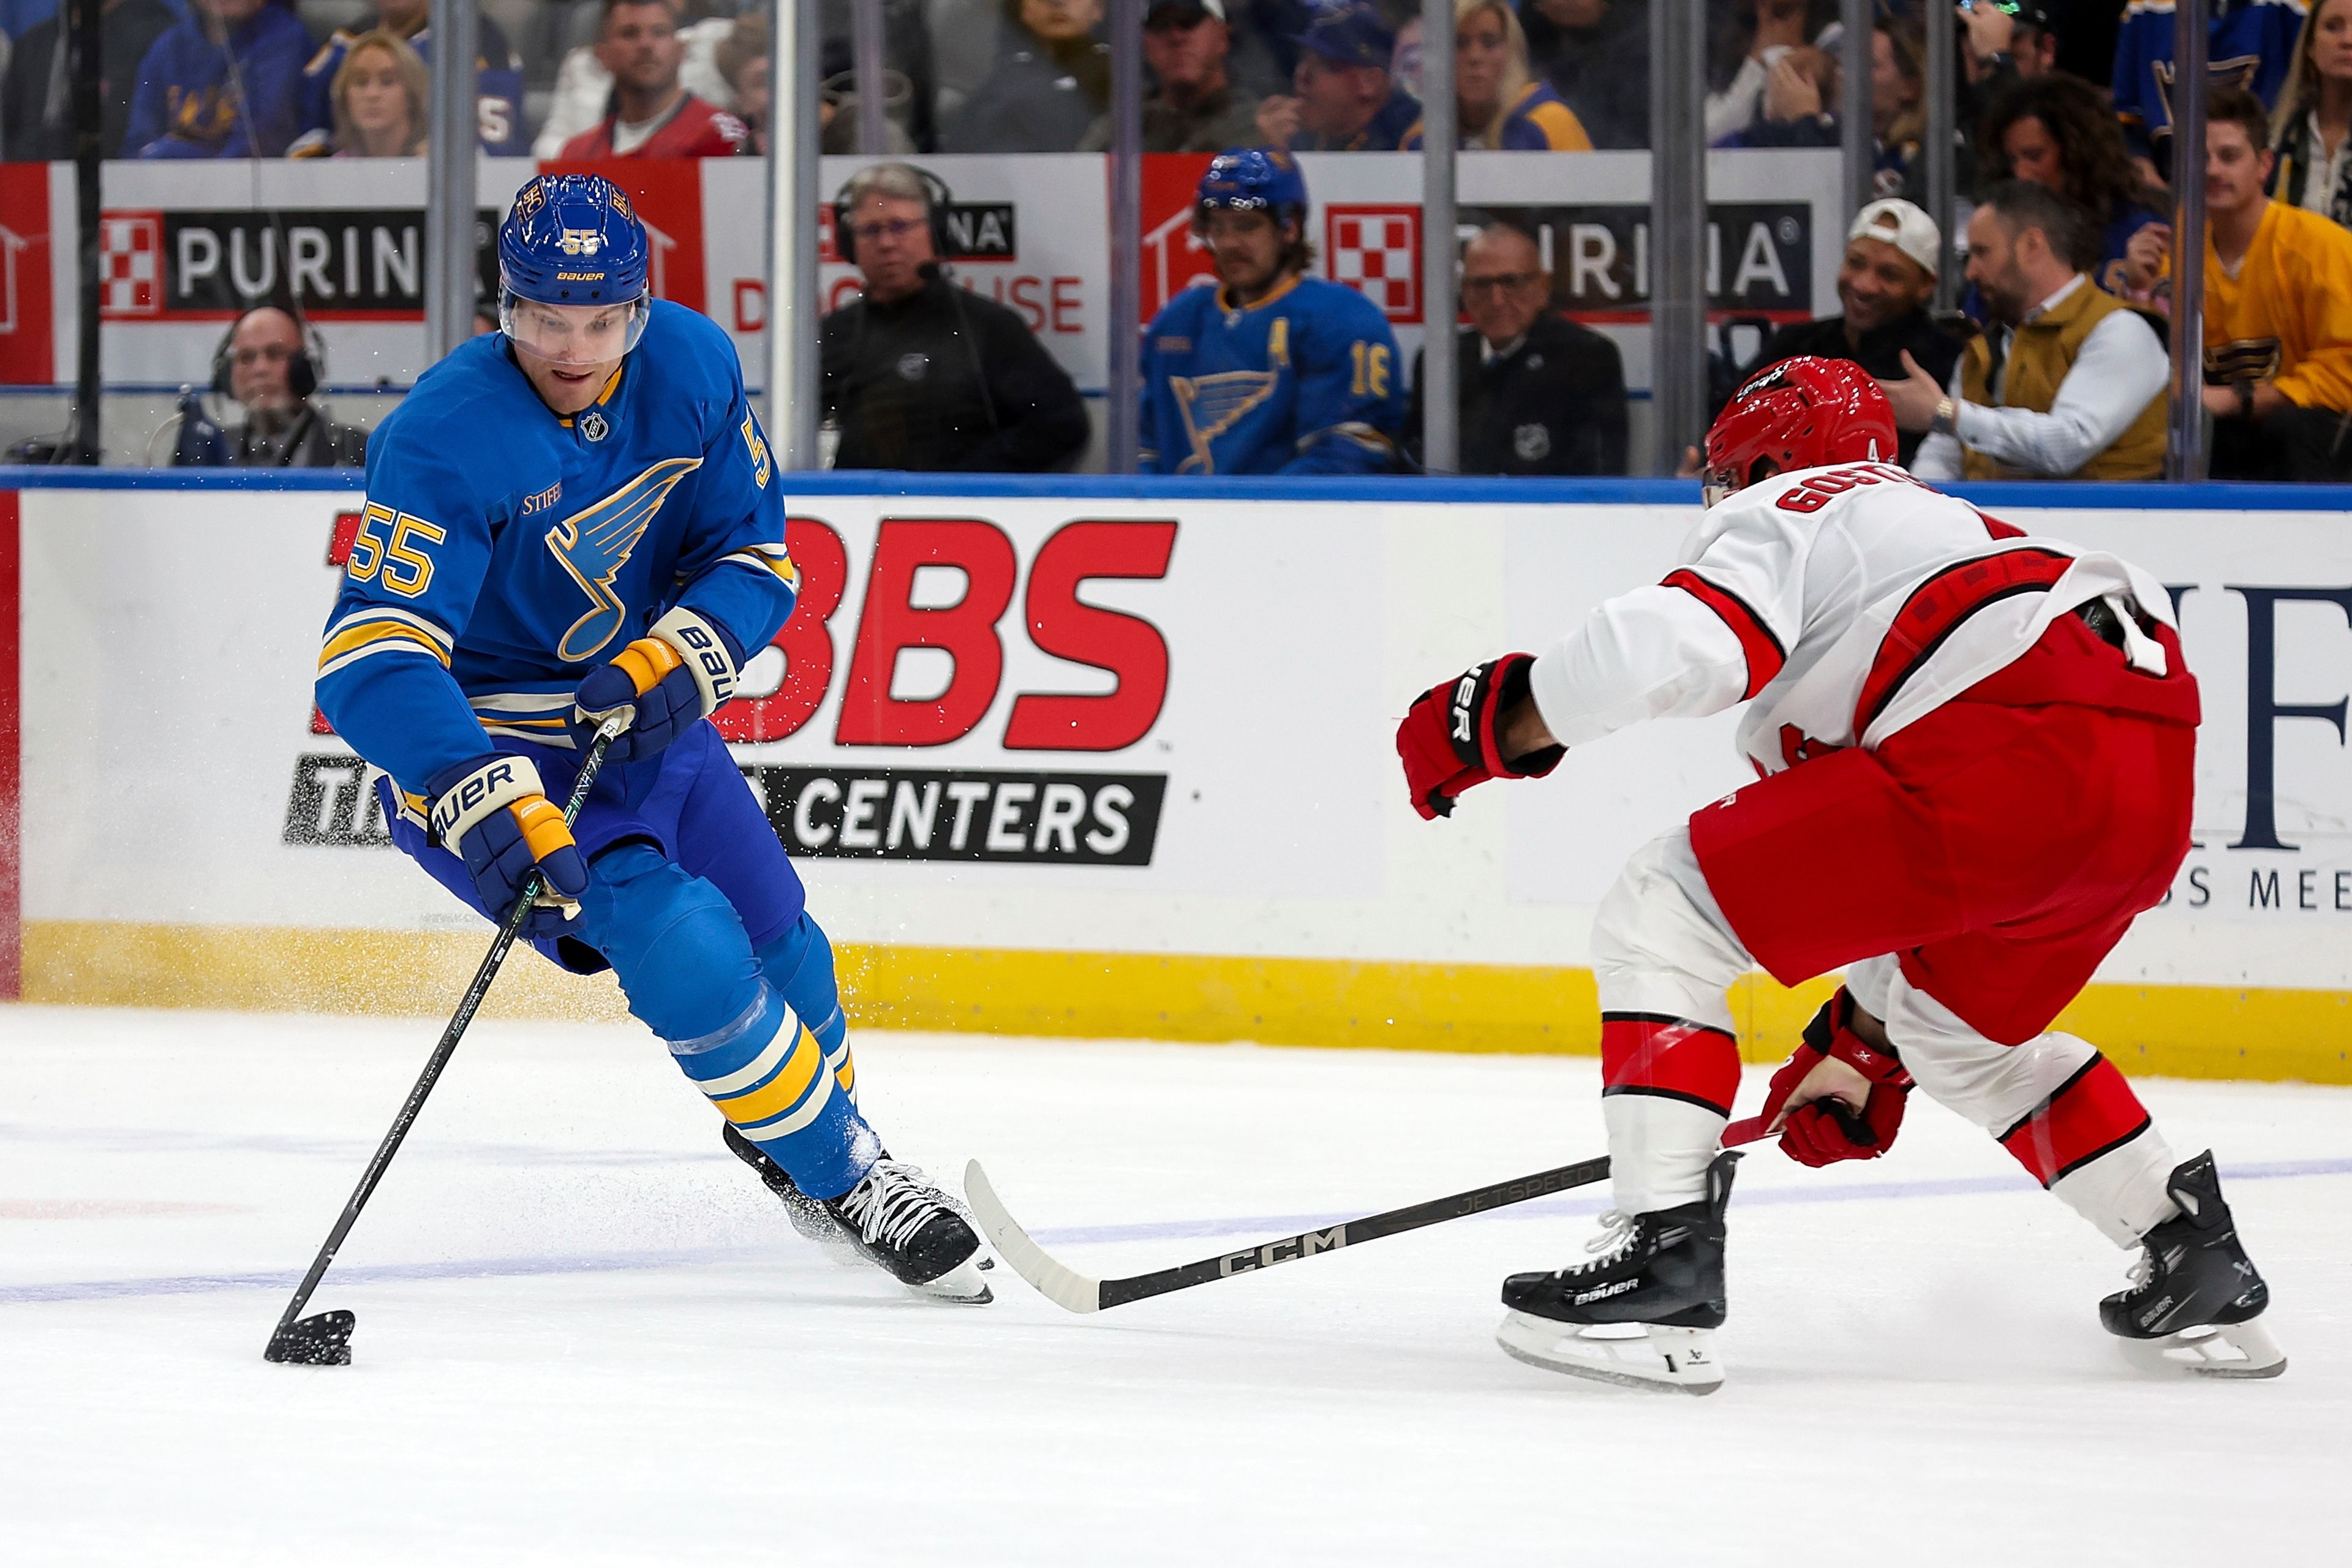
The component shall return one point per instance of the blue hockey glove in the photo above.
(494, 814)
(676, 674)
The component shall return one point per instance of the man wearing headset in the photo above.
(264, 365)
(919, 371)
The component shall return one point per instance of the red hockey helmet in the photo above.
(1799, 414)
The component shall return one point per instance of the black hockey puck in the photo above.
(323, 1339)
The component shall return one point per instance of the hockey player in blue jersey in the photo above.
(574, 518)
(1272, 372)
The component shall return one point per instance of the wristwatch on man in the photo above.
(2245, 399)
(1946, 412)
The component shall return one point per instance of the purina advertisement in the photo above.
(183, 248)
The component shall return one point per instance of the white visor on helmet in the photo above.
(573, 334)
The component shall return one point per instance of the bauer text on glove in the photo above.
(679, 672)
(494, 814)
(1452, 737)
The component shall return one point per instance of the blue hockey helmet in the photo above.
(1252, 179)
(573, 239)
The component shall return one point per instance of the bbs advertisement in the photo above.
(1155, 724)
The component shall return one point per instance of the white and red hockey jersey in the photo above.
(1846, 601)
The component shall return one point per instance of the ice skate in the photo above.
(898, 1220)
(2195, 1303)
(925, 1257)
(1643, 1313)
(809, 1215)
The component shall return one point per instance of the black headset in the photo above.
(303, 366)
(937, 200)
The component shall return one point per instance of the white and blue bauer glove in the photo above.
(679, 673)
(493, 813)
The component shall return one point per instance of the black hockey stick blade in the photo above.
(1073, 1292)
(323, 1339)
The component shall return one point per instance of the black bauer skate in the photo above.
(892, 1218)
(1644, 1312)
(2196, 1301)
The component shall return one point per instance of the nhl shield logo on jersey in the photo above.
(594, 426)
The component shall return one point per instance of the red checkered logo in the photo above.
(131, 264)
(1376, 250)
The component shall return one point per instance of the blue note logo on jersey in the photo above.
(595, 545)
(1212, 404)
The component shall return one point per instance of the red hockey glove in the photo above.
(1451, 736)
(1824, 1132)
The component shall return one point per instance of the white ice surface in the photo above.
(586, 1336)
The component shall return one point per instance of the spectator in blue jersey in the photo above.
(1271, 371)
(224, 82)
(1345, 100)
(498, 78)
(2250, 44)
(1497, 104)
(2056, 130)
(382, 98)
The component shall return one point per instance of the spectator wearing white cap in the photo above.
(2068, 382)
(1884, 285)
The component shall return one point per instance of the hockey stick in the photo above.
(1077, 1292)
(324, 1339)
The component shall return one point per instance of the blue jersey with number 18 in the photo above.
(506, 551)
(1305, 381)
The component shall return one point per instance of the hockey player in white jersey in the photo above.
(1975, 754)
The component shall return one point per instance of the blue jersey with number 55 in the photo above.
(1305, 381)
(506, 551)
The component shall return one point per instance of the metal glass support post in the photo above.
(1942, 88)
(2185, 450)
(1440, 404)
(865, 43)
(83, 23)
(792, 198)
(1676, 243)
(1856, 136)
(1122, 428)
(451, 280)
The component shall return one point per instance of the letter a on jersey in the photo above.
(595, 545)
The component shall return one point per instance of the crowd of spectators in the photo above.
(2063, 156)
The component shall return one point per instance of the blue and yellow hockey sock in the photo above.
(689, 973)
(799, 965)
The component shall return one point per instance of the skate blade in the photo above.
(1659, 1358)
(2213, 1350)
(962, 1285)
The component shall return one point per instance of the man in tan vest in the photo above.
(2067, 383)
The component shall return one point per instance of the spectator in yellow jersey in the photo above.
(1496, 103)
(2278, 314)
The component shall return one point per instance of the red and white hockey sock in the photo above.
(2092, 1145)
(1668, 1085)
